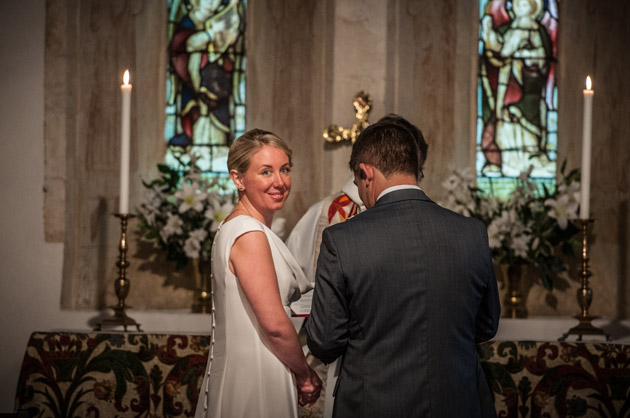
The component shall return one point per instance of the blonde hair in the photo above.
(246, 145)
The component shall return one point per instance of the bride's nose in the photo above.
(278, 180)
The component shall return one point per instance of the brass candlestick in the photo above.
(122, 283)
(585, 294)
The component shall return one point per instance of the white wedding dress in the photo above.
(243, 377)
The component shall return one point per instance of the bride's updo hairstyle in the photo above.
(246, 145)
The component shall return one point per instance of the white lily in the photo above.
(506, 220)
(209, 213)
(221, 211)
(573, 190)
(173, 226)
(192, 248)
(519, 245)
(451, 183)
(148, 214)
(156, 197)
(562, 210)
(199, 234)
(191, 197)
(488, 207)
(494, 234)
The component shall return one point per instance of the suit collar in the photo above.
(399, 195)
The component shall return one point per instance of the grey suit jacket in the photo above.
(403, 292)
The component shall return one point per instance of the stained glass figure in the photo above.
(205, 85)
(517, 93)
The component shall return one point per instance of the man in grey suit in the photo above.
(403, 291)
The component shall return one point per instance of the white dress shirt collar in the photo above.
(395, 188)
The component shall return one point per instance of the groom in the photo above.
(403, 292)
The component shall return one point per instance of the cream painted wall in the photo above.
(30, 290)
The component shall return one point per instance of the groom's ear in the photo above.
(367, 171)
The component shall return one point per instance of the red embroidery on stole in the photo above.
(338, 206)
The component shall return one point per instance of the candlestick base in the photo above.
(585, 327)
(121, 284)
(120, 318)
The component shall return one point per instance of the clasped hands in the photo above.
(309, 389)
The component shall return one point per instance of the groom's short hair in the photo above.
(423, 147)
(389, 147)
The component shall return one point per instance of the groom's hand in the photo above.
(309, 390)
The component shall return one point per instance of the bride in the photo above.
(256, 367)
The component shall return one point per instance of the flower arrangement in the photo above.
(530, 226)
(183, 211)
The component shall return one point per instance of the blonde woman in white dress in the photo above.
(256, 366)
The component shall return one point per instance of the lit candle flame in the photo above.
(589, 83)
(126, 78)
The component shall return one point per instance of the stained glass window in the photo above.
(205, 80)
(517, 96)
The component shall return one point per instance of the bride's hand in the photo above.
(309, 389)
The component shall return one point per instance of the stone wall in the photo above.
(306, 60)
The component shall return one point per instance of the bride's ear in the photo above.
(237, 180)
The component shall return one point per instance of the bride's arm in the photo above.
(252, 263)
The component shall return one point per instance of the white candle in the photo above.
(586, 149)
(125, 88)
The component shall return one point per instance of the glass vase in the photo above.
(514, 301)
(202, 297)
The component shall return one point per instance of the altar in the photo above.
(545, 328)
(531, 373)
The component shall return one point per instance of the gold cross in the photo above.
(363, 105)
